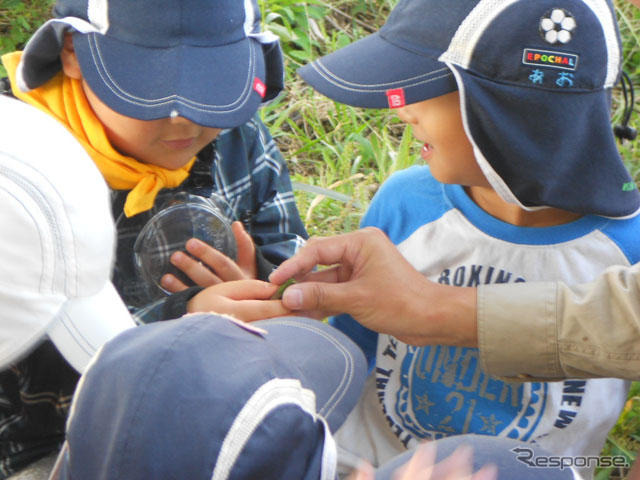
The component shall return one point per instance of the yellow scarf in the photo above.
(63, 98)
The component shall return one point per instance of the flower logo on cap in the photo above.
(557, 26)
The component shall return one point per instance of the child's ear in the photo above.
(70, 64)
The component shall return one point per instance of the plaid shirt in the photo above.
(246, 169)
(35, 395)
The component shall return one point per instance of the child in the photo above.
(166, 111)
(523, 183)
(163, 96)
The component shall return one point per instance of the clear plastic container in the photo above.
(180, 218)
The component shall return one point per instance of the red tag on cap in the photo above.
(395, 98)
(259, 87)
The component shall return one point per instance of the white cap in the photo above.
(57, 243)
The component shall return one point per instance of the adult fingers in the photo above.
(320, 251)
(325, 275)
(316, 296)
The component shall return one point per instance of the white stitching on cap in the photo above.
(339, 82)
(346, 376)
(172, 98)
(112, 85)
(383, 85)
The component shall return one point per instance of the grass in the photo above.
(328, 145)
(18, 20)
(339, 155)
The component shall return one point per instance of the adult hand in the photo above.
(207, 266)
(422, 466)
(369, 279)
(246, 300)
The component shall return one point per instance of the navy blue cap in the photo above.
(205, 397)
(203, 60)
(535, 82)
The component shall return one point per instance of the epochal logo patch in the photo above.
(545, 58)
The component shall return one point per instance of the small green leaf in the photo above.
(282, 288)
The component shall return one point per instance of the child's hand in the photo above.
(246, 300)
(220, 267)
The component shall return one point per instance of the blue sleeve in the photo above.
(406, 201)
(625, 233)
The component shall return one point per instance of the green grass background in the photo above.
(338, 156)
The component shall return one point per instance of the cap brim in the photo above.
(328, 362)
(363, 74)
(25, 317)
(213, 86)
(577, 168)
(84, 324)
